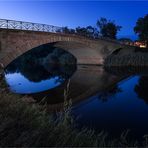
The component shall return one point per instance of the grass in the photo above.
(28, 125)
(139, 57)
(126, 70)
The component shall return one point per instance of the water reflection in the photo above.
(40, 69)
(141, 85)
(118, 107)
(141, 88)
(33, 81)
(85, 82)
(110, 99)
(109, 93)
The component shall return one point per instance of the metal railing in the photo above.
(20, 25)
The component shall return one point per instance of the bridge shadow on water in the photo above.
(85, 82)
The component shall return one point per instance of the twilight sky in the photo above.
(76, 13)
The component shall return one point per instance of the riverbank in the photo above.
(133, 56)
(27, 124)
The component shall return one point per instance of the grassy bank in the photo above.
(27, 125)
(135, 57)
(127, 70)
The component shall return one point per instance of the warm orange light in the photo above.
(142, 46)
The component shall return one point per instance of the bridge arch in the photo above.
(87, 51)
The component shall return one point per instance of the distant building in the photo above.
(141, 44)
(126, 41)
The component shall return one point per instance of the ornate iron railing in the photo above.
(12, 24)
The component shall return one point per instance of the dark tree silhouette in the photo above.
(81, 31)
(105, 95)
(141, 28)
(89, 31)
(108, 28)
(142, 88)
(68, 31)
(43, 62)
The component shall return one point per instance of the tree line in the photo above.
(104, 28)
(108, 29)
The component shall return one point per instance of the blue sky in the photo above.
(76, 13)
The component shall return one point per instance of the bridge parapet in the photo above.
(20, 25)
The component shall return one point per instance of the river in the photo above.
(113, 100)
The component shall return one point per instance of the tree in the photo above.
(108, 28)
(96, 33)
(141, 29)
(141, 88)
(89, 31)
(109, 93)
(68, 31)
(81, 31)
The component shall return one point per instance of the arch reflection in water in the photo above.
(38, 82)
(85, 82)
(40, 69)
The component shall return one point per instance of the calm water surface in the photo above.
(111, 100)
(117, 110)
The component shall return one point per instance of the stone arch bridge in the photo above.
(16, 41)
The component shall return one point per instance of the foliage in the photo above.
(88, 31)
(133, 57)
(141, 28)
(81, 31)
(108, 28)
(66, 59)
(109, 93)
(68, 31)
(141, 88)
(42, 63)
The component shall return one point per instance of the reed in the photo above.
(132, 59)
